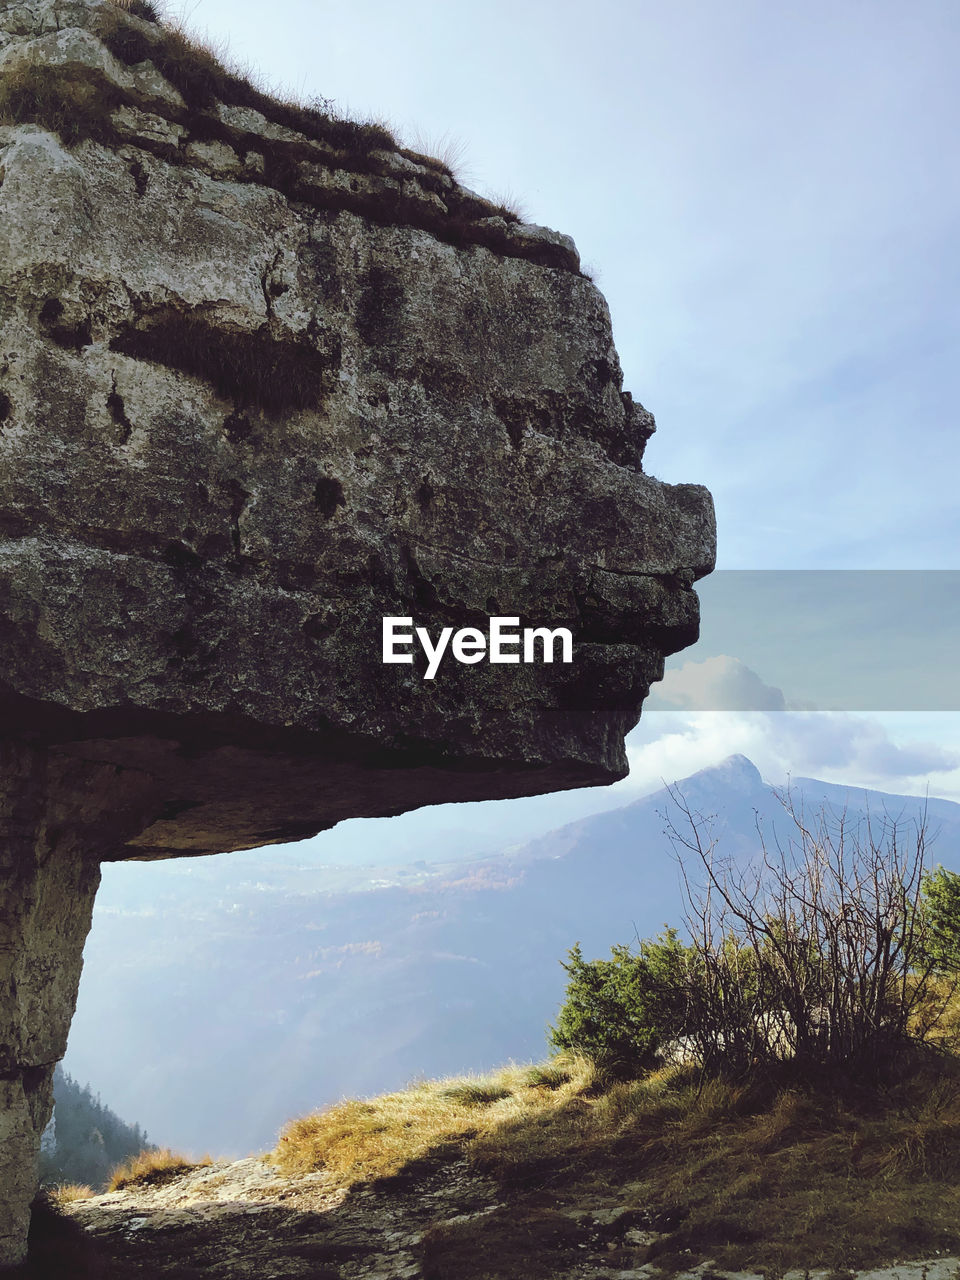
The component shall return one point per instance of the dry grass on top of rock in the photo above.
(81, 103)
(144, 9)
(77, 107)
(765, 1174)
(70, 1192)
(71, 105)
(361, 1141)
(201, 74)
(151, 1168)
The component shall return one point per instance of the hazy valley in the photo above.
(223, 996)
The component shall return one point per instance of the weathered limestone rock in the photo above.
(58, 816)
(256, 1221)
(265, 379)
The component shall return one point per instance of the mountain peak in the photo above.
(738, 763)
(736, 771)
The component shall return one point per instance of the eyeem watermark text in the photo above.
(503, 642)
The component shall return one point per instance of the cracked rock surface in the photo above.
(265, 378)
(241, 424)
(231, 1221)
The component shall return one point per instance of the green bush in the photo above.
(625, 1012)
(940, 903)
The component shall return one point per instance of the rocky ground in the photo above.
(244, 1219)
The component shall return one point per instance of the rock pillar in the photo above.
(54, 815)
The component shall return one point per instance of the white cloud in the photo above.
(717, 684)
(675, 739)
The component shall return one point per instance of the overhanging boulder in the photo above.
(266, 379)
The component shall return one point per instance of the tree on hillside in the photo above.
(625, 1011)
(941, 905)
(85, 1139)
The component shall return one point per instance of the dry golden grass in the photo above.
(447, 152)
(760, 1177)
(69, 1192)
(151, 1168)
(763, 1175)
(80, 107)
(509, 205)
(365, 1140)
(205, 75)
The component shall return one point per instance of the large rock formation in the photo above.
(266, 378)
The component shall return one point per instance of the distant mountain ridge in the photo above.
(227, 1014)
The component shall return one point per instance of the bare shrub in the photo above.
(816, 951)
